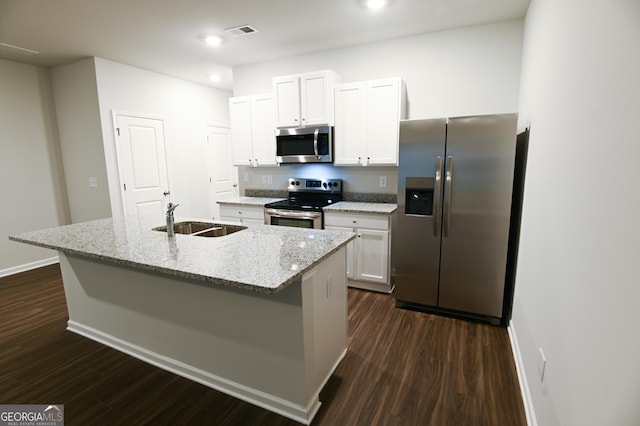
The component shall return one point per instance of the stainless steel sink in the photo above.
(202, 229)
(220, 231)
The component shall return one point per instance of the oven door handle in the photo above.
(291, 213)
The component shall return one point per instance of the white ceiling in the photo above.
(165, 35)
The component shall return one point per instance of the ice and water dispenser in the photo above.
(419, 196)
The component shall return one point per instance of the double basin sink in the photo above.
(202, 229)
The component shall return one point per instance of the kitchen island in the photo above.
(259, 314)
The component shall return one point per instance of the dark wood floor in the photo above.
(402, 368)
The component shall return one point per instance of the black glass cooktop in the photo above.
(303, 203)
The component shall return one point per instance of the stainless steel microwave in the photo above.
(304, 145)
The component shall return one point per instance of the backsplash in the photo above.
(266, 193)
(370, 197)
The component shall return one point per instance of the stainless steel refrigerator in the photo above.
(455, 186)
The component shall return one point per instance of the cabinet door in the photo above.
(287, 94)
(350, 249)
(263, 123)
(383, 121)
(240, 120)
(314, 94)
(372, 255)
(350, 123)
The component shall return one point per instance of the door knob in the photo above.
(166, 193)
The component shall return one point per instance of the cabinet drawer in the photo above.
(352, 220)
(242, 212)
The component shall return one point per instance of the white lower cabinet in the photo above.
(242, 214)
(369, 254)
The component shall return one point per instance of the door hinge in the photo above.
(118, 129)
(125, 186)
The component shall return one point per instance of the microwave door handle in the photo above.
(315, 143)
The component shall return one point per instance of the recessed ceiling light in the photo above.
(214, 77)
(376, 4)
(213, 40)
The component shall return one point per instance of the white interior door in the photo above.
(142, 164)
(222, 173)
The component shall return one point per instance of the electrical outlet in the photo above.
(93, 182)
(269, 179)
(329, 286)
(383, 181)
(264, 178)
(542, 363)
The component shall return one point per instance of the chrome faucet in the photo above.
(170, 208)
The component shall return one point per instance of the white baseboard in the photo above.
(29, 266)
(522, 378)
(253, 396)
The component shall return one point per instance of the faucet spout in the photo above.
(170, 221)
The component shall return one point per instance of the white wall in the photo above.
(33, 192)
(578, 288)
(76, 101)
(473, 70)
(186, 108)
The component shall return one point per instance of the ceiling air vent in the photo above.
(242, 30)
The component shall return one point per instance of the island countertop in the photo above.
(260, 258)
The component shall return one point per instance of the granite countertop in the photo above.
(361, 207)
(260, 258)
(249, 201)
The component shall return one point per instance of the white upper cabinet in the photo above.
(253, 130)
(367, 122)
(305, 99)
(287, 93)
(350, 123)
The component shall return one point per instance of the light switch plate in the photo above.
(93, 182)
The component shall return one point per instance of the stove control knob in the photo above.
(325, 184)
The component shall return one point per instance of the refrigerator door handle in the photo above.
(437, 198)
(447, 195)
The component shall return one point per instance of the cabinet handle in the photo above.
(165, 193)
(256, 161)
(295, 119)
